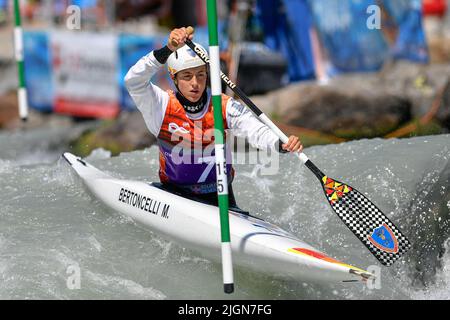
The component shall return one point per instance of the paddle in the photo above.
(383, 239)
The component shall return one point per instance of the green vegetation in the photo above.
(431, 128)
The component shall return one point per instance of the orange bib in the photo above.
(186, 148)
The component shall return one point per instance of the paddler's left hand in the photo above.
(293, 145)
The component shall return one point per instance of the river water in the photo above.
(52, 229)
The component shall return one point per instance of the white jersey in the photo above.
(152, 102)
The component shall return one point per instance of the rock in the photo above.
(361, 105)
(418, 83)
(350, 115)
(8, 109)
(127, 133)
(443, 115)
(8, 80)
(344, 113)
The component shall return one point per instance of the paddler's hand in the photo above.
(179, 37)
(293, 145)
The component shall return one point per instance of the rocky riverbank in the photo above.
(364, 105)
(349, 107)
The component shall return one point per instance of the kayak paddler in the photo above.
(183, 121)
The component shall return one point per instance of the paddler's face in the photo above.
(192, 82)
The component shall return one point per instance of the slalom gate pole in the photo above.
(222, 181)
(19, 55)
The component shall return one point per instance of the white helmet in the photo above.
(184, 58)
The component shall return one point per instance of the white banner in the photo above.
(85, 66)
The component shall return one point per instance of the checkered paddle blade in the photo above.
(384, 240)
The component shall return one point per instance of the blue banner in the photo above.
(351, 45)
(342, 28)
(38, 71)
(85, 3)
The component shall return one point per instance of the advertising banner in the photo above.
(85, 74)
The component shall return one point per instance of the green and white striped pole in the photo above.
(222, 181)
(18, 50)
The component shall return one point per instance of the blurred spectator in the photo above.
(184, 13)
(435, 7)
(352, 48)
(59, 10)
(287, 25)
(171, 13)
(29, 9)
(126, 9)
(92, 12)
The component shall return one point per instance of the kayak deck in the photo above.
(235, 209)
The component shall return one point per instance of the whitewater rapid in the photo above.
(52, 229)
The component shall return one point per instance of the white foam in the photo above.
(120, 284)
(99, 154)
(5, 166)
(441, 289)
(95, 243)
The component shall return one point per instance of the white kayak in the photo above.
(256, 243)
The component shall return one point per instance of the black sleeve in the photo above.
(162, 54)
(280, 147)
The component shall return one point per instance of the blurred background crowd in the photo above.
(328, 70)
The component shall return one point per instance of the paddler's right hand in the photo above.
(178, 36)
